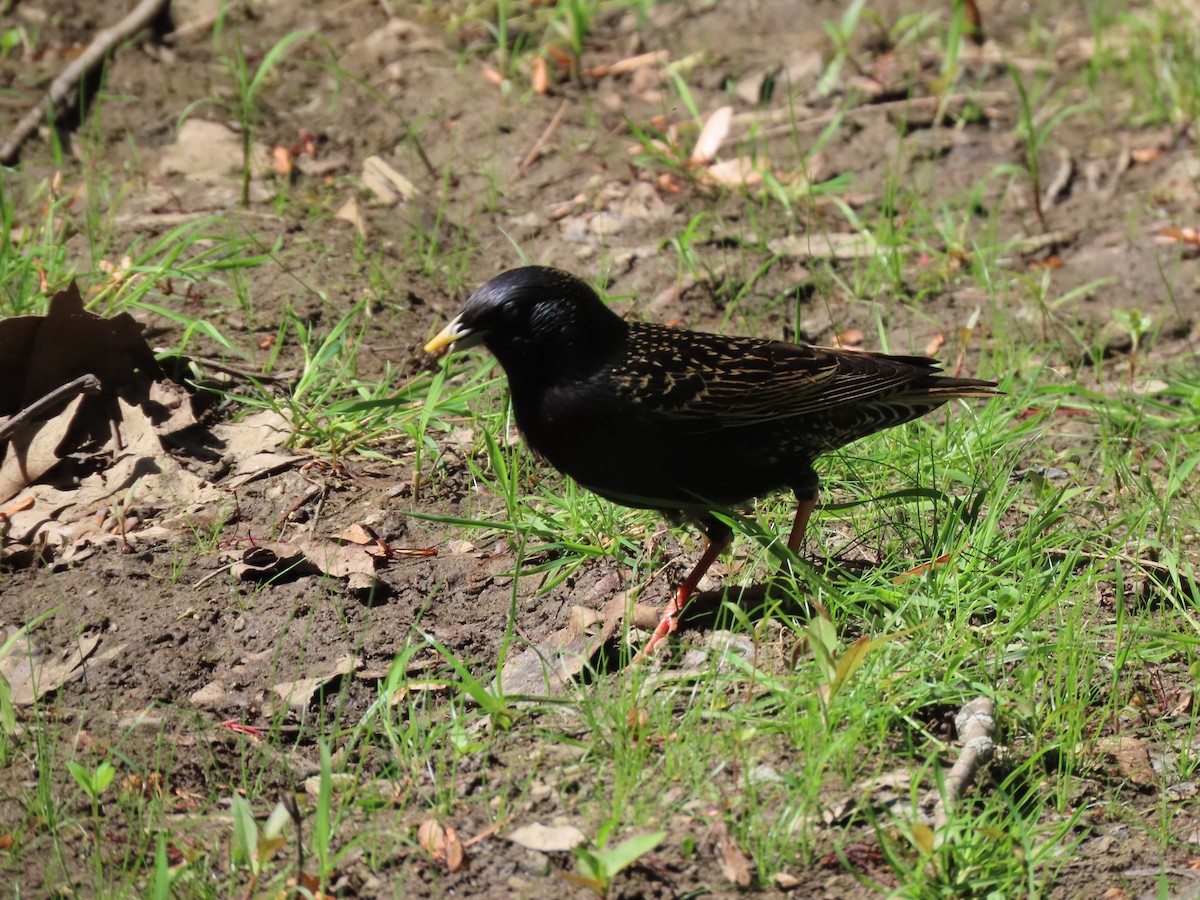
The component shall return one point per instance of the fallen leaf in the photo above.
(310, 557)
(712, 135)
(630, 64)
(851, 339)
(388, 185)
(298, 694)
(349, 213)
(539, 78)
(254, 445)
(31, 676)
(547, 839)
(32, 450)
(1172, 235)
(734, 863)
(1131, 755)
(210, 152)
(786, 882)
(824, 245)
(358, 534)
(281, 161)
(41, 353)
(741, 171)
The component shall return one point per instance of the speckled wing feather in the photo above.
(694, 377)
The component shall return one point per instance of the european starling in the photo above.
(683, 422)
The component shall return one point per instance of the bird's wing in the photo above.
(695, 378)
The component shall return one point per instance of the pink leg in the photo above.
(804, 508)
(670, 617)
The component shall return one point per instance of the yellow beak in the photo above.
(450, 334)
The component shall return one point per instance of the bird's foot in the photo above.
(667, 624)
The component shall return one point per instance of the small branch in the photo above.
(1060, 186)
(84, 384)
(782, 121)
(62, 93)
(975, 723)
(536, 150)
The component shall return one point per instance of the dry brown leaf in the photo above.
(143, 476)
(298, 694)
(734, 863)
(211, 152)
(454, 851)
(850, 339)
(1172, 235)
(712, 135)
(555, 662)
(442, 844)
(32, 450)
(415, 686)
(629, 64)
(786, 882)
(41, 353)
(255, 445)
(547, 839)
(388, 185)
(310, 557)
(358, 534)
(311, 885)
(539, 78)
(1131, 755)
(281, 161)
(348, 212)
(31, 675)
(741, 171)
(917, 571)
(824, 245)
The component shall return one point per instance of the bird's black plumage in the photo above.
(670, 419)
(682, 421)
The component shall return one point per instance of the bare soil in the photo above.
(198, 646)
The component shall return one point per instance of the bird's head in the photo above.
(534, 316)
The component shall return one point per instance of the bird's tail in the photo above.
(949, 388)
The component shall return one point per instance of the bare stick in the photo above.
(62, 93)
(84, 384)
(975, 723)
(536, 150)
(856, 112)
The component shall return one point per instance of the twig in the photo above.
(536, 150)
(1149, 566)
(62, 93)
(913, 103)
(590, 150)
(84, 384)
(975, 723)
(1060, 185)
(265, 377)
(629, 64)
(187, 29)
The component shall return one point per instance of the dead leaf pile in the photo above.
(33, 671)
(78, 469)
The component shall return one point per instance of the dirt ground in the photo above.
(181, 642)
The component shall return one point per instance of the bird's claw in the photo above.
(666, 625)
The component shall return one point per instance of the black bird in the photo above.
(683, 422)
